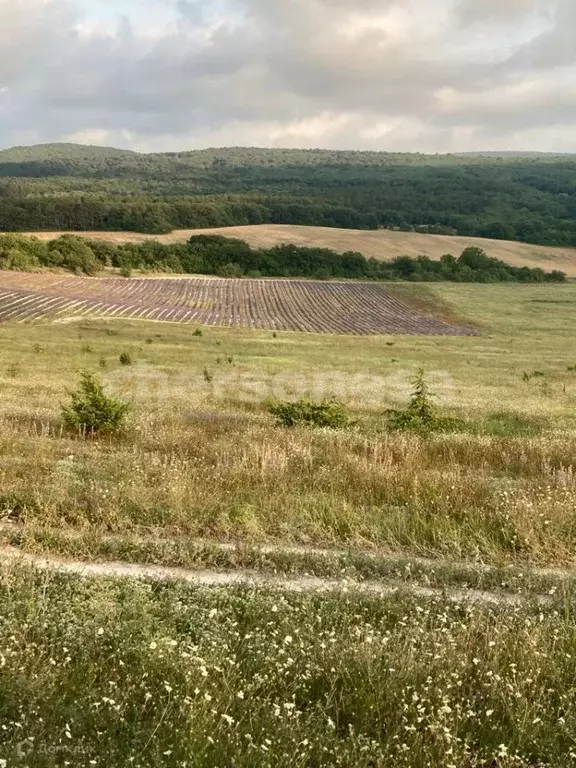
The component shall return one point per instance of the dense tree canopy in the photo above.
(530, 198)
(227, 257)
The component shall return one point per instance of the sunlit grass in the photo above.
(203, 458)
(127, 674)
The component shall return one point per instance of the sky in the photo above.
(392, 75)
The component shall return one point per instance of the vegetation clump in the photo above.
(233, 258)
(91, 410)
(125, 358)
(421, 414)
(328, 413)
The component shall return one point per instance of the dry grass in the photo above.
(99, 672)
(383, 244)
(203, 458)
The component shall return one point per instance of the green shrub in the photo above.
(421, 414)
(328, 413)
(509, 424)
(198, 332)
(91, 410)
(231, 269)
(125, 358)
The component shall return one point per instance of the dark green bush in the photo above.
(328, 413)
(125, 358)
(92, 411)
(421, 414)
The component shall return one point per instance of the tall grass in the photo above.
(461, 496)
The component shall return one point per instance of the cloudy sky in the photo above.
(402, 75)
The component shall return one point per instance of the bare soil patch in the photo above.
(285, 305)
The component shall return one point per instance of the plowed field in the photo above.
(284, 305)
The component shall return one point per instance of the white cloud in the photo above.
(428, 75)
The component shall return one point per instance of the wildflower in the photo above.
(240, 695)
(229, 720)
(213, 613)
(100, 631)
(153, 645)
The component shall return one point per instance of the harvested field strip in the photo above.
(286, 305)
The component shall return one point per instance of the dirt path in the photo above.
(210, 578)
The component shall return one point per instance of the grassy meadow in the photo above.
(120, 672)
(102, 672)
(203, 458)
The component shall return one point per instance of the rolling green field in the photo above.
(202, 457)
(109, 671)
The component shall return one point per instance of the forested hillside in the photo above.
(529, 198)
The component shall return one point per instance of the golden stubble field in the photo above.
(381, 244)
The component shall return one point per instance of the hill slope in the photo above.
(257, 156)
(530, 199)
(383, 244)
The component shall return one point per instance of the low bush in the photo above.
(328, 413)
(92, 411)
(421, 414)
(125, 358)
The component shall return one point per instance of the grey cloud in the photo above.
(488, 11)
(279, 70)
(555, 47)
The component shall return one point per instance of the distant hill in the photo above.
(47, 152)
(512, 196)
(93, 156)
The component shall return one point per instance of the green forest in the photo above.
(227, 257)
(530, 198)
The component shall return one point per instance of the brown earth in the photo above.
(288, 305)
(381, 244)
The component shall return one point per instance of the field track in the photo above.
(283, 305)
(383, 244)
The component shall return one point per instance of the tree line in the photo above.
(229, 257)
(530, 199)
